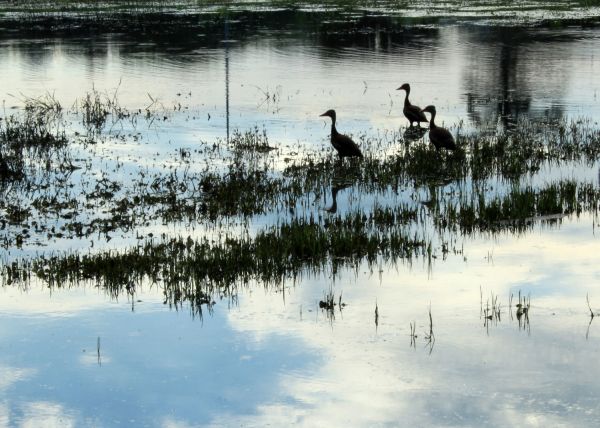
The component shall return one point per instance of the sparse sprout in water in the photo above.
(413, 336)
(429, 335)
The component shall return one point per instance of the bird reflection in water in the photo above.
(414, 133)
(335, 188)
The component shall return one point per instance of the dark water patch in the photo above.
(213, 26)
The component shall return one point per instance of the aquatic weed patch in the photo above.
(28, 141)
(243, 178)
(526, 148)
(518, 209)
(404, 200)
(190, 268)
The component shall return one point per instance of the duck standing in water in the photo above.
(411, 112)
(342, 143)
(439, 137)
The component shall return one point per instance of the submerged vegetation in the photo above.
(420, 202)
(31, 140)
(205, 218)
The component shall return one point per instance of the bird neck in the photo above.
(432, 121)
(406, 102)
(333, 130)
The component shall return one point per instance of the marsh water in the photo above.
(263, 347)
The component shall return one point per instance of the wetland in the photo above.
(181, 246)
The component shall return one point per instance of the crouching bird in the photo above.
(439, 137)
(342, 143)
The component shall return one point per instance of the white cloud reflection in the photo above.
(45, 414)
(11, 375)
(502, 377)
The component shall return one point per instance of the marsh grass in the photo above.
(30, 139)
(30, 132)
(429, 335)
(492, 312)
(95, 111)
(190, 269)
(328, 304)
(251, 141)
(422, 202)
(249, 185)
(523, 306)
(413, 335)
(97, 107)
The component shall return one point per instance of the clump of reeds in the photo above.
(328, 304)
(413, 335)
(30, 131)
(253, 140)
(492, 310)
(46, 106)
(30, 138)
(523, 306)
(97, 107)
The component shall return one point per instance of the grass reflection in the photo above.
(404, 201)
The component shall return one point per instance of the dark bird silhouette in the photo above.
(439, 137)
(342, 143)
(411, 112)
(4, 169)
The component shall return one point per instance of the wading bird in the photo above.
(411, 112)
(342, 143)
(4, 169)
(439, 137)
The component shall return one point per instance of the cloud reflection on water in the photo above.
(504, 377)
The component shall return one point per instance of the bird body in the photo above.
(411, 112)
(4, 169)
(340, 142)
(439, 137)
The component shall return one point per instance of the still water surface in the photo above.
(77, 357)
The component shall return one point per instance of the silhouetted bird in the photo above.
(411, 112)
(342, 143)
(439, 137)
(4, 169)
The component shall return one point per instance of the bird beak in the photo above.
(399, 88)
(324, 114)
